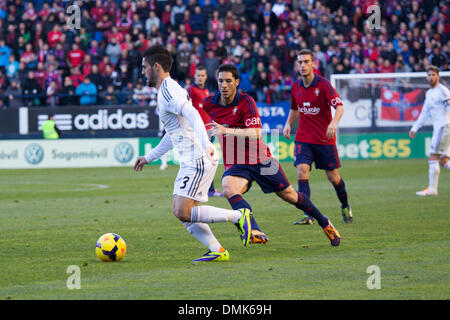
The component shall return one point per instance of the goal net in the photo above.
(379, 110)
(382, 102)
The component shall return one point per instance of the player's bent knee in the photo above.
(289, 195)
(303, 171)
(182, 215)
(182, 210)
(228, 192)
(333, 177)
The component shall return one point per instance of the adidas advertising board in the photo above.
(93, 118)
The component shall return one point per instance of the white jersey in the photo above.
(435, 106)
(171, 100)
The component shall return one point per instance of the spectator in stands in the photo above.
(198, 22)
(75, 56)
(76, 76)
(32, 91)
(177, 13)
(13, 67)
(4, 82)
(5, 52)
(52, 94)
(54, 36)
(183, 58)
(219, 31)
(97, 78)
(53, 75)
(14, 94)
(126, 94)
(141, 94)
(87, 91)
(67, 93)
(438, 58)
(113, 50)
(151, 21)
(109, 96)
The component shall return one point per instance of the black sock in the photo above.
(304, 203)
(341, 193)
(303, 187)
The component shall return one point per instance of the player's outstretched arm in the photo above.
(218, 129)
(139, 164)
(161, 149)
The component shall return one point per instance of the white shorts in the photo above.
(440, 141)
(194, 179)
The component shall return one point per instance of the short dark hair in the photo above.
(227, 67)
(158, 54)
(433, 68)
(200, 67)
(305, 52)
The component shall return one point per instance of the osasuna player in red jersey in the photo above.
(247, 158)
(312, 98)
(197, 92)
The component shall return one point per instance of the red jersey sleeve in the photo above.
(294, 91)
(207, 104)
(250, 114)
(331, 95)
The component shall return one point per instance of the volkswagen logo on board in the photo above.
(34, 153)
(123, 152)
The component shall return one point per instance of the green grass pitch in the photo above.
(51, 218)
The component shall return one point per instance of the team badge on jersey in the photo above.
(317, 91)
(235, 110)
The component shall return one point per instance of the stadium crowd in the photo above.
(44, 60)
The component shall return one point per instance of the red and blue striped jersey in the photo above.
(314, 105)
(242, 113)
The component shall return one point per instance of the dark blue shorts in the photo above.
(270, 177)
(324, 156)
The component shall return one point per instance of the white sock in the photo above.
(209, 214)
(203, 233)
(433, 174)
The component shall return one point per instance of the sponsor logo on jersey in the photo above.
(307, 109)
(336, 101)
(253, 121)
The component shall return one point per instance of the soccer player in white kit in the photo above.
(436, 106)
(198, 157)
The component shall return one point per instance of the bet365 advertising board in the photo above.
(78, 153)
(350, 146)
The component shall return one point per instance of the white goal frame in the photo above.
(376, 76)
(391, 75)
